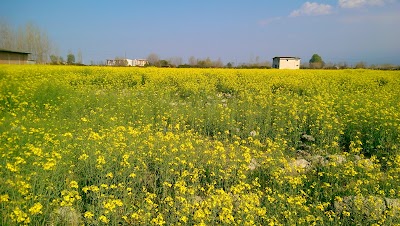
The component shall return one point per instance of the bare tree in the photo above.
(192, 61)
(153, 59)
(29, 38)
(175, 61)
(7, 36)
(218, 63)
(360, 65)
(121, 61)
(257, 63)
(79, 57)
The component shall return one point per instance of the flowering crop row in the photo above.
(149, 146)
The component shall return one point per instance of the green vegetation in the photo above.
(150, 146)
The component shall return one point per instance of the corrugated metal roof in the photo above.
(287, 57)
(12, 51)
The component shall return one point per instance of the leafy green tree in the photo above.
(163, 63)
(316, 61)
(70, 58)
(54, 59)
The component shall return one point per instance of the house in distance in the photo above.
(13, 57)
(286, 62)
(127, 62)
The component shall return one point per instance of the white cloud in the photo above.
(312, 9)
(361, 3)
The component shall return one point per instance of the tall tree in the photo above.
(79, 60)
(70, 58)
(7, 36)
(31, 39)
(28, 38)
(218, 63)
(175, 61)
(192, 61)
(153, 59)
(121, 61)
(316, 61)
(54, 59)
(360, 64)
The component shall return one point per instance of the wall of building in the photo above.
(275, 63)
(13, 58)
(289, 63)
(130, 62)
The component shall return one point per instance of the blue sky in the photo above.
(232, 30)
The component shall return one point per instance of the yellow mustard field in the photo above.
(149, 146)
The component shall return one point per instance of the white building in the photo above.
(127, 62)
(286, 62)
(138, 62)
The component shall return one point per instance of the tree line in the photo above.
(27, 38)
(316, 62)
(193, 62)
(71, 59)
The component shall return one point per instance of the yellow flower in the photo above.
(69, 135)
(88, 215)
(184, 219)
(69, 197)
(159, 220)
(12, 167)
(135, 216)
(83, 157)
(36, 208)
(110, 205)
(73, 184)
(103, 219)
(95, 136)
(20, 216)
(4, 198)
(50, 164)
(167, 184)
(100, 161)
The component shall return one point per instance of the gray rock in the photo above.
(393, 206)
(253, 164)
(65, 215)
(306, 137)
(370, 206)
(298, 166)
(302, 153)
(339, 159)
(318, 160)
